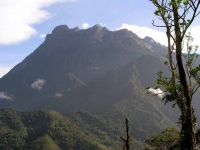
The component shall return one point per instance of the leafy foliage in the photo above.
(167, 139)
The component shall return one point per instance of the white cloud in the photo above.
(195, 32)
(58, 95)
(18, 16)
(158, 92)
(85, 25)
(158, 36)
(3, 95)
(4, 70)
(42, 35)
(38, 84)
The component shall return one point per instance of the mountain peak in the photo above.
(60, 29)
(96, 27)
(76, 29)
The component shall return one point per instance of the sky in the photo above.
(25, 23)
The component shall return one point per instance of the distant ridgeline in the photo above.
(95, 77)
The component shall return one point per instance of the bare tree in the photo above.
(127, 140)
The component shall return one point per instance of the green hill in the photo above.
(46, 130)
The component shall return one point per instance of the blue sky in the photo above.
(24, 23)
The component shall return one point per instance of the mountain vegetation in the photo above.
(46, 130)
(49, 130)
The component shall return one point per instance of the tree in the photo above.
(177, 16)
(168, 139)
(127, 140)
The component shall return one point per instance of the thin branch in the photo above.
(122, 139)
(192, 19)
(194, 90)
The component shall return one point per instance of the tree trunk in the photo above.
(189, 141)
(126, 146)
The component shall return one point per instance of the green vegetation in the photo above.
(46, 130)
(44, 143)
(167, 139)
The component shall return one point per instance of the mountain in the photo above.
(93, 74)
(70, 60)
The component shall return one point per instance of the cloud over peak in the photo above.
(85, 25)
(159, 36)
(144, 31)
